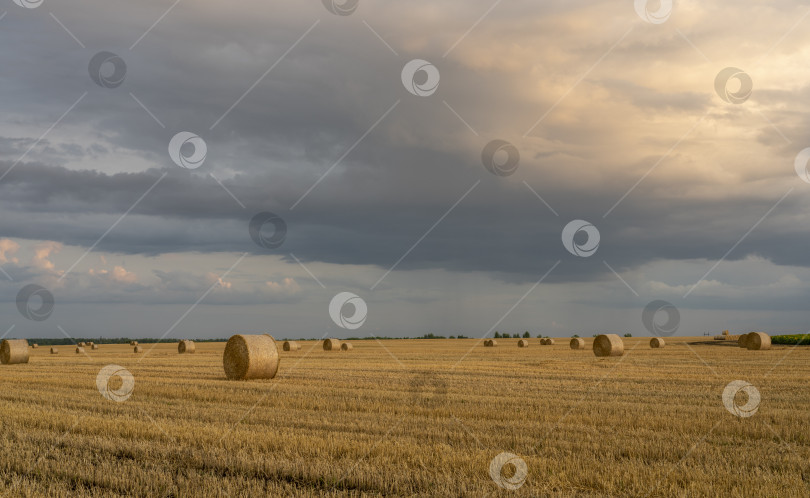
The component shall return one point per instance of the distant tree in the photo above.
(462, 336)
(575, 335)
(539, 336)
(452, 337)
(595, 335)
(628, 335)
(497, 335)
(526, 335)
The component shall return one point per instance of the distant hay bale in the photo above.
(54, 351)
(547, 341)
(35, 345)
(345, 346)
(137, 349)
(133, 343)
(14, 351)
(79, 349)
(331, 345)
(523, 343)
(94, 346)
(290, 346)
(186, 346)
(725, 332)
(743, 341)
(758, 341)
(657, 342)
(490, 343)
(250, 357)
(577, 343)
(542, 341)
(608, 345)
(81, 344)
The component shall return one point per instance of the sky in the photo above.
(194, 169)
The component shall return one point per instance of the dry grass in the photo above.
(366, 424)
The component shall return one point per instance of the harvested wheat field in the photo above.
(409, 417)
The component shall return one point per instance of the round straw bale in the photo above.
(345, 346)
(79, 349)
(35, 345)
(577, 343)
(743, 341)
(331, 345)
(133, 343)
(758, 341)
(657, 342)
(94, 346)
(542, 341)
(81, 344)
(487, 343)
(137, 349)
(290, 346)
(54, 351)
(493, 343)
(14, 351)
(523, 343)
(549, 341)
(186, 346)
(608, 345)
(250, 357)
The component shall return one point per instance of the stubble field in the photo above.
(410, 417)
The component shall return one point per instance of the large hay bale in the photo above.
(577, 343)
(743, 341)
(549, 342)
(345, 346)
(186, 346)
(133, 343)
(250, 357)
(35, 345)
(490, 343)
(54, 351)
(657, 342)
(523, 343)
(290, 346)
(94, 346)
(331, 345)
(14, 351)
(758, 341)
(608, 345)
(79, 349)
(542, 341)
(81, 344)
(137, 349)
